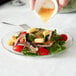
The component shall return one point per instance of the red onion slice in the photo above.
(50, 35)
(17, 41)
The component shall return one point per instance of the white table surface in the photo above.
(14, 65)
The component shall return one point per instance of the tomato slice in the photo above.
(17, 48)
(42, 51)
(63, 37)
(21, 34)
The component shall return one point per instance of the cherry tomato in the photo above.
(21, 34)
(17, 48)
(63, 37)
(42, 51)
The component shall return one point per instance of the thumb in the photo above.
(59, 8)
(61, 4)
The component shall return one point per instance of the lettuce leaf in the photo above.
(55, 48)
(58, 45)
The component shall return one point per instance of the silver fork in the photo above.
(24, 26)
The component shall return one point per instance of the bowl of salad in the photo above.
(36, 42)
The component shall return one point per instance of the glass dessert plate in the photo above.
(7, 36)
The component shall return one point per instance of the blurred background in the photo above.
(71, 7)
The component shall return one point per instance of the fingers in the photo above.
(62, 3)
(32, 4)
(59, 8)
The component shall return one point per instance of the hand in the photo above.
(61, 4)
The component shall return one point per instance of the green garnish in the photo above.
(25, 51)
(55, 48)
(58, 45)
(16, 37)
(46, 38)
(30, 37)
(54, 36)
(41, 35)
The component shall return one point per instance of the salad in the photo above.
(38, 42)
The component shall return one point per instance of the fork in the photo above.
(24, 26)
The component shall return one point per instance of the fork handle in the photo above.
(8, 23)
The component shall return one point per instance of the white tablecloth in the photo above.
(14, 65)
